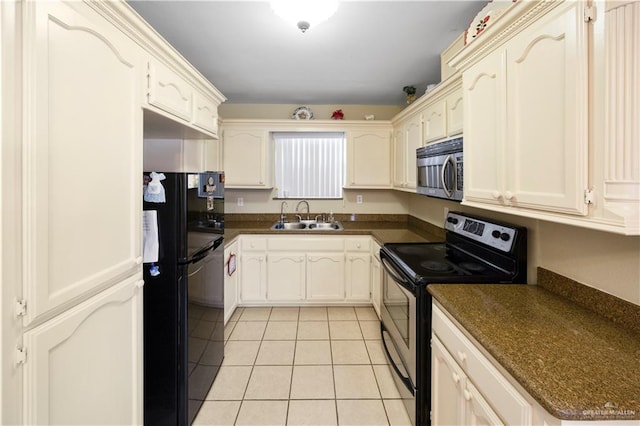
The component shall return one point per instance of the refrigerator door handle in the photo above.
(202, 253)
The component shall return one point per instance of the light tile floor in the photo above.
(303, 366)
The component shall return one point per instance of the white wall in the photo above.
(605, 261)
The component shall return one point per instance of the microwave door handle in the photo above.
(447, 162)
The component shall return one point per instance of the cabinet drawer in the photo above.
(306, 244)
(358, 244)
(253, 244)
(499, 393)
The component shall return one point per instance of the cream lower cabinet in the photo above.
(304, 270)
(358, 269)
(230, 280)
(376, 277)
(525, 123)
(325, 276)
(466, 388)
(85, 365)
(253, 269)
(286, 276)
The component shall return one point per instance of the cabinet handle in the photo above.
(467, 395)
(508, 195)
(496, 195)
(462, 356)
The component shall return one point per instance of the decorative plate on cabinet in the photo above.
(485, 18)
(302, 113)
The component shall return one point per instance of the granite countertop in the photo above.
(578, 364)
(383, 229)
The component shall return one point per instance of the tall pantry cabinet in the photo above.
(74, 82)
(81, 301)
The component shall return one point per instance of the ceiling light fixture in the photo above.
(304, 13)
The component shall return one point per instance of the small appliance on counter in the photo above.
(475, 251)
(183, 293)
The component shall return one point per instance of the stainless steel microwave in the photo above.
(440, 169)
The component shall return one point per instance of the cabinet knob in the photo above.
(358, 245)
(496, 195)
(508, 195)
(139, 260)
(456, 378)
(467, 395)
(462, 356)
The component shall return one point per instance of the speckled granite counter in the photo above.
(569, 358)
(383, 228)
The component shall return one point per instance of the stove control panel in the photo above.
(495, 235)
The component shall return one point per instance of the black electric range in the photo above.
(476, 250)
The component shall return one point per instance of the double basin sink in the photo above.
(307, 225)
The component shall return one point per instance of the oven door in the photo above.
(398, 330)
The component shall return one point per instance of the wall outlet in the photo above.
(240, 201)
(358, 199)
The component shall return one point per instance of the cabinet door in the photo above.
(230, 280)
(447, 387)
(253, 276)
(169, 92)
(484, 104)
(82, 155)
(85, 365)
(205, 114)
(376, 278)
(414, 141)
(455, 115)
(325, 276)
(358, 281)
(547, 92)
(434, 119)
(399, 156)
(245, 158)
(369, 159)
(478, 412)
(285, 276)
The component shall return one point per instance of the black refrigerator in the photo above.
(183, 292)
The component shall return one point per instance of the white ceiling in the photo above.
(365, 54)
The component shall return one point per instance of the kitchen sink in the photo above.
(310, 225)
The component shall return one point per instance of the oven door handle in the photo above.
(405, 379)
(448, 162)
(393, 274)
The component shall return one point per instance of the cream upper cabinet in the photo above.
(407, 139)
(246, 157)
(369, 158)
(455, 112)
(170, 92)
(82, 174)
(434, 121)
(525, 119)
(205, 113)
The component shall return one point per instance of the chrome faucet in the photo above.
(283, 217)
(307, 203)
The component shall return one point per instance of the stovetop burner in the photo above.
(437, 266)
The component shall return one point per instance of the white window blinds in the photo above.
(309, 165)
